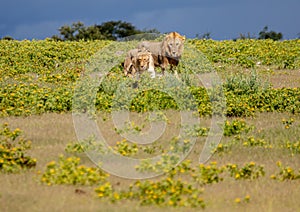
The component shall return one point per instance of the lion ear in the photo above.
(143, 49)
(183, 38)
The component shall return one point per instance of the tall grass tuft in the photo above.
(243, 84)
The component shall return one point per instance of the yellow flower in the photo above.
(237, 200)
(213, 163)
(116, 196)
(51, 163)
(186, 141)
(173, 190)
(247, 198)
(252, 163)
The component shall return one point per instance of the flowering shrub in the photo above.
(166, 192)
(196, 130)
(68, 171)
(85, 145)
(169, 191)
(222, 148)
(208, 174)
(236, 127)
(294, 147)
(286, 173)
(248, 171)
(12, 150)
(168, 160)
(287, 123)
(252, 141)
(125, 148)
(105, 190)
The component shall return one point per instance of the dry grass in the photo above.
(50, 134)
(285, 78)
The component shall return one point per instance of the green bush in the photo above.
(249, 52)
(12, 150)
(69, 171)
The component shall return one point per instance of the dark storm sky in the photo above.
(224, 19)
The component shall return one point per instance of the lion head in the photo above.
(173, 45)
(144, 60)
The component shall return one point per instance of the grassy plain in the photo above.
(269, 141)
(50, 133)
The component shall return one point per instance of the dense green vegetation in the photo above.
(40, 76)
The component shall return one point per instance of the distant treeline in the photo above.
(116, 30)
(111, 30)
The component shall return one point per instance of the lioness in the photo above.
(166, 53)
(137, 61)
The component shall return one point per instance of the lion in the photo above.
(138, 61)
(166, 54)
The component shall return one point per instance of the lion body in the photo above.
(138, 61)
(166, 53)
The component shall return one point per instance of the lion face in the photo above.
(143, 61)
(174, 44)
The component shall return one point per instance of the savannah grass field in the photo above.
(255, 167)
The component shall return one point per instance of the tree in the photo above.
(72, 32)
(265, 34)
(111, 30)
(90, 33)
(7, 38)
(115, 30)
(69, 32)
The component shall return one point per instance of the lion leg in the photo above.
(152, 73)
(174, 69)
(176, 74)
(151, 69)
(127, 66)
(164, 65)
(173, 66)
